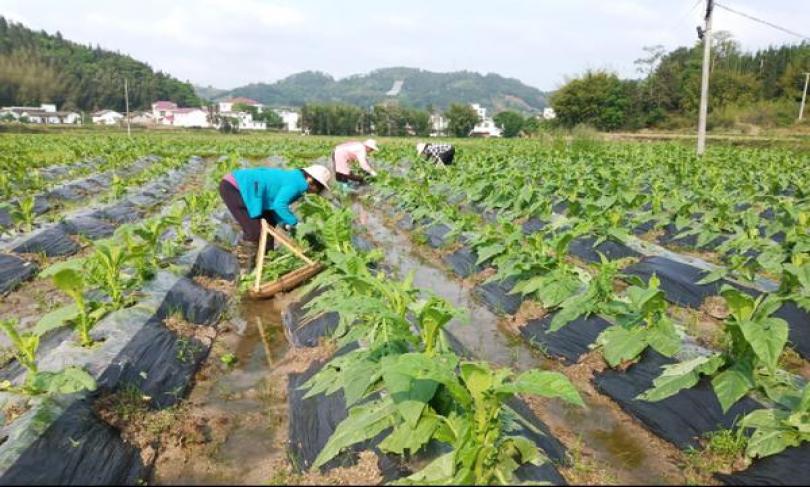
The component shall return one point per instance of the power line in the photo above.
(769, 24)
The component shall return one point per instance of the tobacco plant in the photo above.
(23, 213)
(754, 342)
(25, 345)
(641, 322)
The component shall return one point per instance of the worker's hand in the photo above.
(289, 229)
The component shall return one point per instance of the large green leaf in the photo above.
(731, 385)
(620, 344)
(677, 377)
(766, 442)
(663, 337)
(410, 394)
(439, 471)
(487, 252)
(69, 280)
(767, 338)
(66, 381)
(363, 422)
(740, 304)
(405, 437)
(543, 383)
(56, 318)
(75, 264)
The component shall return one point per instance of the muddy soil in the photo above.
(241, 396)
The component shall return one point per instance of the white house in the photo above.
(43, 114)
(107, 117)
(189, 117)
(549, 113)
(72, 118)
(290, 119)
(438, 124)
(486, 126)
(227, 105)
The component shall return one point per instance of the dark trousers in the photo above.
(448, 156)
(250, 226)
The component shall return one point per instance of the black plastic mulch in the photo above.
(568, 343)
(496, 296)
(13, 271)
(436, 234)
(583, 247)
(533, 225)
(678, 280)
(312, 422)
(52, 242)
(90, 452)
(159, 362)
(197, 304)
(786, 468)
(799, 323)
(303, 333)
(681, 419)
(215, 262)
(670, 235)
(463, 262)
(89, 227)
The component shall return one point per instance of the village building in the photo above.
(107, 117)
(290, 118)
(438, 125)
(486, 126)
(145, 119)
(43, 114)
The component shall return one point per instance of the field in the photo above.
(563, 311)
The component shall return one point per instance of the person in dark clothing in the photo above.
(440, 153)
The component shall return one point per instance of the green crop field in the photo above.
(659, 297)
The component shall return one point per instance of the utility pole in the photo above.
(704, 81)
(126, 102)
(804, 96)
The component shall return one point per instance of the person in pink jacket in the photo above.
(350, 152)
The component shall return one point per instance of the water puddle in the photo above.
(600, 426)
(244, 410)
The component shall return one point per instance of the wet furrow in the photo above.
(610, 436)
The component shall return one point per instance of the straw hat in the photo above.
(420, 147)
(371, 144)
(320, 174)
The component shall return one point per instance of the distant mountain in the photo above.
(208, 92)
(36, 67)
(419, 89)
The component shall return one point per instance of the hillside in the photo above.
(420, 89)
(36, 67)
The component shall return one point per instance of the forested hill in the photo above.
(36, 67)
(420, 89)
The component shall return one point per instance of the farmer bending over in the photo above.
(349, 152)
(262, 192)
(442, 154)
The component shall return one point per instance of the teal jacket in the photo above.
(264, 189)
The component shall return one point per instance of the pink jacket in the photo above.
(351, 151)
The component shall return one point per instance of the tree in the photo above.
(332, 119)
(461, 119)
(511, 123)
(597, 98)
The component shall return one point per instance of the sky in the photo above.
(229, 43)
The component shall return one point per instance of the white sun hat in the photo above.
(420, 147)
(371, 144)
(321, 174)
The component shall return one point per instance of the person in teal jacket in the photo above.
(263, 192)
